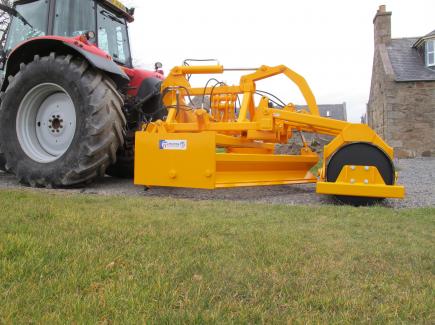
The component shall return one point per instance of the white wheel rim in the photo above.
(46, 122)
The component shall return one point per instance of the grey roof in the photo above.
(421, 40)
(336, 111)
(407, 63)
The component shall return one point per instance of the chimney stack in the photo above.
(382, 23)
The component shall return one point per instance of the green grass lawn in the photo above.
(90, 259)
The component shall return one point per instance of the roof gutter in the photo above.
(422, 40)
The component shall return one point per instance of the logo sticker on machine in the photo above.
(173, 144)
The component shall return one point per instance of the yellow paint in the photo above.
(360, 181)
(199, 166)
(119, 5)
(247, 139)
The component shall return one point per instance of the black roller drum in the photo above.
(360, 154)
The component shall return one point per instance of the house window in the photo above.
(430, 53)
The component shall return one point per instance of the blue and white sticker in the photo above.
(173, 144)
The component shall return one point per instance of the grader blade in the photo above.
(231, 145)
(191, 160)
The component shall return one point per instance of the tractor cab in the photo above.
(104, 22)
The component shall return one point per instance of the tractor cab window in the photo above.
(31, 22)
(74, 18)
(112, 36)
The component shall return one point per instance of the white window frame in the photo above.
(430, 64)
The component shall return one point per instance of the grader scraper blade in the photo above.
(191, 160)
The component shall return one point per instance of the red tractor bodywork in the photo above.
(83, 47)
(137, 77)
(124, 75)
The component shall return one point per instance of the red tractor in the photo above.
(70, 98)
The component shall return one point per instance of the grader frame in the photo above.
(182, 150)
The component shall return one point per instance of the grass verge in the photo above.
(89, 259)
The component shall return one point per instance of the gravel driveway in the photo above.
(418, 176)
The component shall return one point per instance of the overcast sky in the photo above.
(329, 42)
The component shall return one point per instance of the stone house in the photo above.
(333, 111)
(401, 107)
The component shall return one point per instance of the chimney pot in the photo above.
(382, 24)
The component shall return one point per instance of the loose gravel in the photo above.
(418, 176)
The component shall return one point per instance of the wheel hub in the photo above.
(56, 124)
(46, 122)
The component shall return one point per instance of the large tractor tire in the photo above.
(124, 166)
(61, 122)
(360, 154)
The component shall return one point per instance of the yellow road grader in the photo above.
(73, 108)
(181, 151)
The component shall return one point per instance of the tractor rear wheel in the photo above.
(63, 122)
(124, 166)
(360, 154)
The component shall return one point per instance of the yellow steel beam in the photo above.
(246, 103)
(360, 181)
(309, 121)
(212, 126)
(216, 90)
(265, 72)
(379, 191)
(230, 141)
(200, 69)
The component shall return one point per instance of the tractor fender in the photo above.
(142, 82)
(149, 87)
(43, 46)
(149, 93)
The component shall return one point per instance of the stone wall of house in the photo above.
(410, 118)
(402, 113)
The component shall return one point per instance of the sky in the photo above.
(330, 43)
